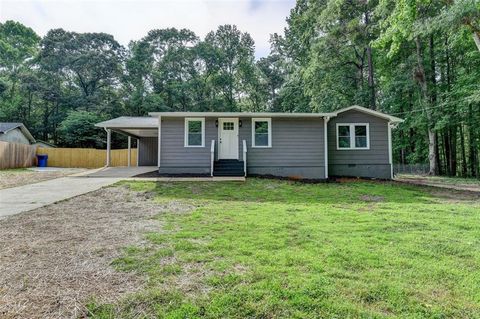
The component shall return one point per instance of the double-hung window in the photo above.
(194, 132)
(261, 132)
(353, 136)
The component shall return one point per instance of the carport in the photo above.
(132, 127)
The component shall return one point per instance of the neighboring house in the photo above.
(359, 143)
(15, 133)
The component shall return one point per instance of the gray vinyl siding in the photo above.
(373, 163)
(15, 136)
(147, 153)
(178, 159)
(297, 148)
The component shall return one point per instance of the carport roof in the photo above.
(132, 126)
(130, 122)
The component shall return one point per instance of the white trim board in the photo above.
(352, 137)
(185, 135)
(222, 120)
(362, 109)
(269, 121)
(390, 152)
(325, 144)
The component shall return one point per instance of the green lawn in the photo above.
(278, 249)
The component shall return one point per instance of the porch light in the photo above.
(216, 123)
(240, 123)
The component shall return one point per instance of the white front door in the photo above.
(228, 138)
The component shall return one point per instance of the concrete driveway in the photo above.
(27, 197)
(121, 171)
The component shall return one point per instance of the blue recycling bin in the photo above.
(42, 160)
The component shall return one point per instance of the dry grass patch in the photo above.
(23, 176)
(54, 259)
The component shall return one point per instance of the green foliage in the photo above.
(277, 249)
(44, 81)
(416, 59)
(412, 58)
(17, 44)
(78, 130)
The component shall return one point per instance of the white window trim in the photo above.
(185, 137)
(269, 121)
(352, 137)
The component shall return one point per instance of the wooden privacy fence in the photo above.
(86, 157)
(13, 155)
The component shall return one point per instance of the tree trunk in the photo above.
(472, 147)
(432, 141)
(453, 151)
(371, 83)
(446, 145)
(46, 115)
(433, 80)
(476, 38)
(464, 157)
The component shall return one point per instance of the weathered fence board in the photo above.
(86, 157)
(13, 155)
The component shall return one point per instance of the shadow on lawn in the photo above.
(291, 192)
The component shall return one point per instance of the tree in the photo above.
(91, 62)
(18, 46)
(234, 58)
(78, 130)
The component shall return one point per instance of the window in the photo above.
(194, 132)
(228, 126)
(261, 132)
(353, 136)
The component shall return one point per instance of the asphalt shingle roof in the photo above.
(4, 127)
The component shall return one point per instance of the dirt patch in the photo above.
(372, 198)
(453, 196)
(426, 181)
(13, 178)
(56, 258)
(446, 192)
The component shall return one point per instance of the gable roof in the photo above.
(6, 127)
(390, 118)
(129, 122)
(359, 108)
(238, 114)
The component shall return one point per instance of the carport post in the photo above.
(109, 137)
(129, 151)
(138, 151)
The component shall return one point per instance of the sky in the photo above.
(131, 20)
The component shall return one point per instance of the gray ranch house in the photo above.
(354, 141)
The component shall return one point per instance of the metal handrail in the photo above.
(244, 157)
(212, 156)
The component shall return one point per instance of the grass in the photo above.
(278, 249)
(14, 170)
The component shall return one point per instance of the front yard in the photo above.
(278, 249)
(23, 176)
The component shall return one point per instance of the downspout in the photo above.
(159, 146)
(325, 143)
(390, 151)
